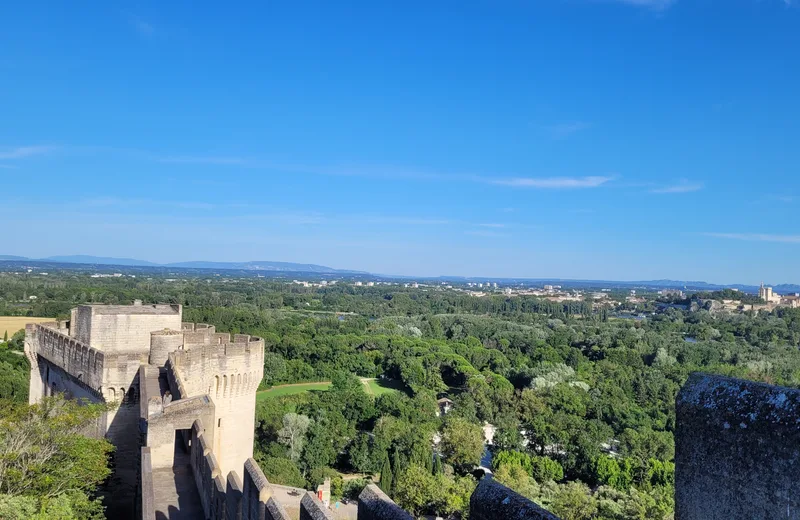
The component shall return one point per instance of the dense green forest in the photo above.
(582, 404)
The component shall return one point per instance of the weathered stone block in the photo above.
(737, 447)
(312, 509)
(492, 501)
(374, 504)
(275, 511)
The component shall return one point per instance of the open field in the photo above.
(13, 324)
(378, 387)
(279, 391)
(371, 387)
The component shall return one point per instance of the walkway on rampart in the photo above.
(176, 496)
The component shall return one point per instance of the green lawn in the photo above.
(279, 391)
(371, 386)
(383, 386)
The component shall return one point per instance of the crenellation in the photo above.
(233, 497)
(311, 508)
(275, 511)
(374, 504)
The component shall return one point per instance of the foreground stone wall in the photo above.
(737, 448)
(492, 501)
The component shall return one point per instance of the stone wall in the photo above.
(229, 374)
(81, 361)
(492, 500)
(232, 497)
(737, 450)
(374, 504)
(147, 507)
(122, 328)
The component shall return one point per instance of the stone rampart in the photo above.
(312, 509)
(221, 371)
(122, 328)
(162, 342)
(492, 500)
(147, 499)
(81, 361)
(374, 504)
(737, 450)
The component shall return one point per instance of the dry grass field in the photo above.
(13, 324)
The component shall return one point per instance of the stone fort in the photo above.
(183, 418)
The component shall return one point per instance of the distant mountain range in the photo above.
(291, 267)
(132, 262)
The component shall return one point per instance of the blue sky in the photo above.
(614, 139)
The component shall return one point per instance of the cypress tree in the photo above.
(429, 462)
(386, 477)
(5, 337)
(437, 465)
(396, 467)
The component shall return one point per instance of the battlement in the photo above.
(84, 363)
(122, 328)
(222, 371)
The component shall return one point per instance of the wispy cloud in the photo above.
(211, 160)
(389, 172)
(485, 233)
(100, 202)
(651, 4)
(21, 152)
(490, 225)
(682, 186)
(144, 28)
(562, 130)
(757, 237)
(8, 167)
(594, 181)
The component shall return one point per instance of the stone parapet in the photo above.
(374, 504)
(492, 501)
(311, 508)
(84, 363)
(737, 450)
(275, 511)
(147, 504)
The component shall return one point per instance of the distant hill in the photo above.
(261, 265)
(98, 260)
(291, 267)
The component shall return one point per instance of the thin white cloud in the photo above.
(212, 160)
(384, 172)
(682, 186)
(491, 234)
(412, 221)
(651, 4)
(757, 237)
(593, 181)
(8, 166)
(490, 225)
(562, 130)
(22, 152)
(143, 27)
